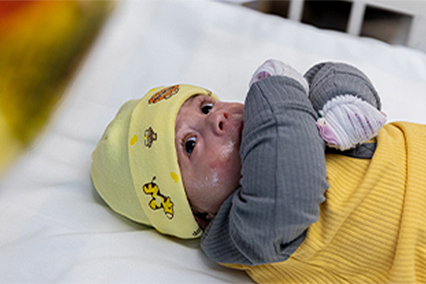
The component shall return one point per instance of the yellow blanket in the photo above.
(372, 227)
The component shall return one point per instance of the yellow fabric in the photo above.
(135, 167)
(372, 227)
(41, 44)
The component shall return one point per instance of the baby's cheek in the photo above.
(225, 156)
(219, 172)
(228, 151)
(220, 175)
(227, 163)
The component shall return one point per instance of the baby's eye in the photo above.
(190, 145)
(205, 108)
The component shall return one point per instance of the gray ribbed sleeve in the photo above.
(330, 79)
(283, 183)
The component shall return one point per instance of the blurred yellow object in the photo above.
(9, 145)
(41, 43)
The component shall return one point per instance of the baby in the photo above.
(254, 177)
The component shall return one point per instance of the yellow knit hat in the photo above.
(135, 167)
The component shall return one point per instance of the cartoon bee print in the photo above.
(158, 200)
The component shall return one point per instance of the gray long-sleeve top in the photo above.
(283, 179)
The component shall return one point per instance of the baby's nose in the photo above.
(218, 121)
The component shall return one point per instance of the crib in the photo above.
(408, 16)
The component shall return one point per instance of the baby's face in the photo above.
(208, 137)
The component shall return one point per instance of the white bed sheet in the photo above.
(55, 228)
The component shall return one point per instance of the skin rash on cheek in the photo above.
(227, 151)
(226, 155)
(210, 180)
(215, 179)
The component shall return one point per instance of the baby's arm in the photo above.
(284, 178)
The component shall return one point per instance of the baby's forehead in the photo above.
(186, 107)
(196, 98)
(193, 102)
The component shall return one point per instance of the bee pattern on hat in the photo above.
(158, 200)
